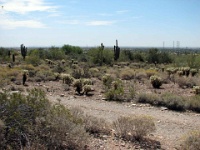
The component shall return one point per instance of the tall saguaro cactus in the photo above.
(116, 51)
(23, 51)
(101, 54)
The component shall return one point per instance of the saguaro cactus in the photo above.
(116, 51)
(13, 57)
(101, 54)
(23, 51)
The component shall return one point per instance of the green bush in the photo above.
(156, 81)
(191, 141)
(134, 128)
(68, 49)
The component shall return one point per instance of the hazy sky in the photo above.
(92, 22)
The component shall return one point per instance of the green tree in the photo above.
(153, 55)
(68, 49)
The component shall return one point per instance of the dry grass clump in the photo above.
(151, 72)
(127, 74)
(96, 126)
(134, 128)
(2, 132)
(187, 82)
(191, 141)
(140, 74)
(173, 102)
(194, 103)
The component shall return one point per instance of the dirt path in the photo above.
(170, 125)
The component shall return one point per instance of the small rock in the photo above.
(164, 108)
(62, 95)
(133, 105)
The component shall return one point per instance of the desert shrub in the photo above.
(184, 82)
(132, 90)
(116, 91)
(34, 60)
(156, 81)
(107, 80)
(191, 141)
(31, 121)
(127, 74)
(70, 50)
(2, 136)
(140, 74)
(194, 103)
(174, 102)
(153, 56)
(149, 98)
(96, 126)
(151, 72)
(62, 131)
(133, 128)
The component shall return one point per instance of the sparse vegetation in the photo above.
(28, 120)
(191, 141)
(134, 128)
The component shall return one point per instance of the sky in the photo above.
(138, 23)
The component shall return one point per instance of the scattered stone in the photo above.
(164, 108)
(133, 105)
(62, 95)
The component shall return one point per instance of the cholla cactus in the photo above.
(67, 78)
(78, 85)
(196, 89)
(87, 82)
(186, 71)
(24, 76)
(86, 89)
(156, 81)
(57, 76)
(180, 73)
(193, 72)
(107, 80)
(171, 70)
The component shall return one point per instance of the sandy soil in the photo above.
(170, 125)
